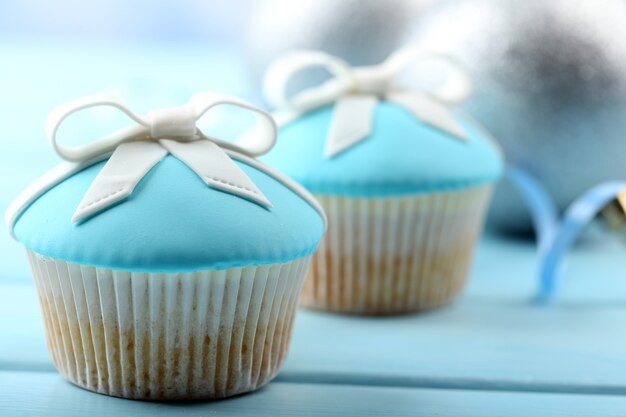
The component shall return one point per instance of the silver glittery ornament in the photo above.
(359, 31)
(550, 84)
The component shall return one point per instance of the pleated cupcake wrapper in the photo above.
(395, 255)
(158, 336)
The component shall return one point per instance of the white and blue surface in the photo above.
(492, 353)
(178, 224)
(402, 156)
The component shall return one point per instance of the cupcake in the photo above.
(168, 264)
(405, 180)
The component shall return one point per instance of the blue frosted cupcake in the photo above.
(168, 264)
(404, 180)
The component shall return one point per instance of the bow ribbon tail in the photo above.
(428, 111)
(215, 168)
(351, 123)
(128, 164)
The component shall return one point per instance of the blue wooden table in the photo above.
(492, 353)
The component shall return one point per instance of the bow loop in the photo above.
(135, 151)
(101, 146)
(286, 68)
(355, 92)
(457, 85)
(253, 142)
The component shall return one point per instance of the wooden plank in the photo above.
(22, 340)
(493, 338)
(44, 394)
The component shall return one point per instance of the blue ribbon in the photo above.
(555, 236)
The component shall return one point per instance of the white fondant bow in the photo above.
(137, 149)
(356, 92)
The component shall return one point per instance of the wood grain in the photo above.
(32, 394)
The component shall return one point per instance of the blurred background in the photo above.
(159, 20)
(549, 75)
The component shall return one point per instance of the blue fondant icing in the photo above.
(401, 156)
(173, 222)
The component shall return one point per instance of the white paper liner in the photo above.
(395, 255)
(157, 336)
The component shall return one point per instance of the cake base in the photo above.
(168, 336)
(395, 255)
